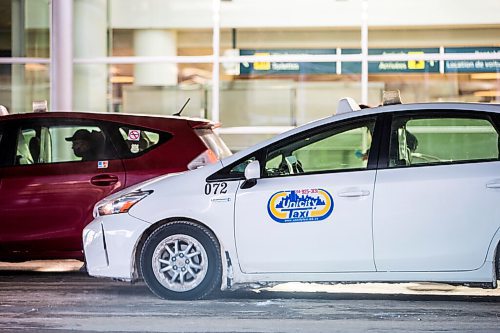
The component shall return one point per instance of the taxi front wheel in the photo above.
(181, 260)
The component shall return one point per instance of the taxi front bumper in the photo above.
(109, 244)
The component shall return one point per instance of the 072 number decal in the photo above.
(215, 188)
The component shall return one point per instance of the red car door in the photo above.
(47, 193)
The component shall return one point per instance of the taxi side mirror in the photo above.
(252, 173)
(252, 170)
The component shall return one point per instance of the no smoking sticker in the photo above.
(134, 135)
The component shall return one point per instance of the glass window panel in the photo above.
(145, 140)
(41, 144)
(237, 142)
(160, 27)
(24, 155)
(339, 149)
(239, 169)
(255, 25)
(442, 140)
(288, 95)
(25, 29)
(284, 94)
(76, 143)
(129, 88)
(25, 33)
(282, 99)
(427, 80)
(20, 85)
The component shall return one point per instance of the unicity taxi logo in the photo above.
(305, 205)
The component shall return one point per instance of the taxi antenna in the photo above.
(178, 114)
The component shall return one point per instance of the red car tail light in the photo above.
(207, 157)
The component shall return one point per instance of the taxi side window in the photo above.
(345, 148)
(438, 140)
(235, 171)
(23, 154)
(67, 143)
(138, 140)
(239, 169)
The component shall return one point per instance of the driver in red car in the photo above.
(85, 144)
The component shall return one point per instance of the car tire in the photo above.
(181, 261)
(497, 262)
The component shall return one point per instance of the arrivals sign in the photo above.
(381, 67)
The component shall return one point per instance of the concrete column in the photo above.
(364, 52)
(216, 63)
(90, 40)
(61, 65)
(155, 43)
(18, 93)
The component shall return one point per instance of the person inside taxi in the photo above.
(86, 144)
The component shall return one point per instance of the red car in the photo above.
(54, 166)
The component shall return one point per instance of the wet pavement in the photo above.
(56, 297)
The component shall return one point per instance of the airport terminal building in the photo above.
(258, 67)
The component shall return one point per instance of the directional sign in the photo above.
(379, 67)
(472, 66)
(287, 67)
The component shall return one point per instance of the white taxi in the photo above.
(403, 192)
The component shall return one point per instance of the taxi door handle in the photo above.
(353, 194)
(104, 180)
(493, 185)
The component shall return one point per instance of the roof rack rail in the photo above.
(346, 105)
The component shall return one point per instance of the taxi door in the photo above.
(312, 209)
(437, 204)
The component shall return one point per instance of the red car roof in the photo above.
(151, 121)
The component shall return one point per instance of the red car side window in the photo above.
(138, 140)
(56, 144)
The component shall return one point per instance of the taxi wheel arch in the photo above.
(136, 269)
(190, 242)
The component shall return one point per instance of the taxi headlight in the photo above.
(121, 204)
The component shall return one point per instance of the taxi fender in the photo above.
(494, 247)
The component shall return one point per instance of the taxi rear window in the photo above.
(139, 140)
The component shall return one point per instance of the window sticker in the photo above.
(134, 148)
(305, 205)
(102, 164)
(134, 135)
